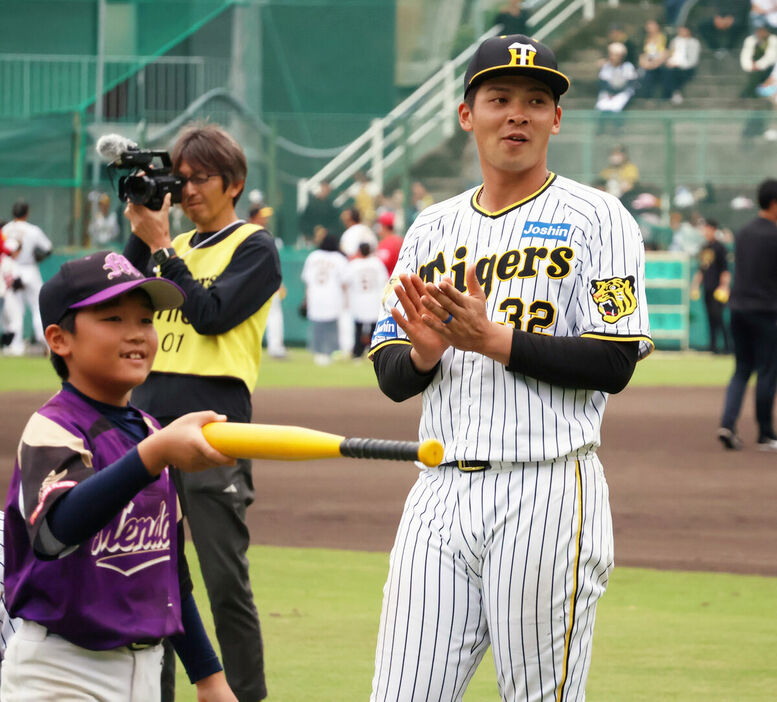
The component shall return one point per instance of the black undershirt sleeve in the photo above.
(397, 376)
(574, 361)
(567, 361)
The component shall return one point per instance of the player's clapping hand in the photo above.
(462, 319)
(428, 345)
(152, 226)
(182, 444)
(214, 688)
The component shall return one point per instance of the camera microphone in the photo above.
(111, 147)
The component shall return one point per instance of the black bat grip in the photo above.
(380, 448)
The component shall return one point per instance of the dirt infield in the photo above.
(679, 501)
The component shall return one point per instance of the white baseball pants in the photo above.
(517, 557)
(44, 667)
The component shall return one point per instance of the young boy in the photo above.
(94, 548)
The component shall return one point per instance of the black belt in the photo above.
(467, 466)
(143, 644)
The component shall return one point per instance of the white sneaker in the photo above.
(767, 444)
(677, 98)
(322, 359)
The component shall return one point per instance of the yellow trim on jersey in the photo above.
(384, 344)
(616, 337)
(499, 213)
(579, 484)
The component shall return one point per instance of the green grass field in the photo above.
(660, 636)
(682, 637)
(660, 368)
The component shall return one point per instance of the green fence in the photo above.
(676, 321)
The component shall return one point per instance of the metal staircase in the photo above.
(427, 118)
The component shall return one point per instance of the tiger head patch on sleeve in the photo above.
(614, 297)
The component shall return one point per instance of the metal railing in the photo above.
(427, 117)
(136, 87)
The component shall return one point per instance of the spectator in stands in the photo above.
(714, 277)
(389, 242)
(617, 33)
(617, 80)
(320, 211)
(764, 12)
(685, 237)
(421, 197)
(768, 88)
(757, 58)
(652, 59)
(724, 29)
(621, 173)
(356, 232)
(681, 63)
(364, 194)
(395, 203)
(511, 18)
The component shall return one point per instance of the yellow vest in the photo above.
(236, 353)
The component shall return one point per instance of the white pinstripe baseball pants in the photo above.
(516, 557)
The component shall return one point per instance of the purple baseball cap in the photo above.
(99, 277)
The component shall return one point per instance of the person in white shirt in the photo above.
(34, 247)
(355, 233)
(323, 274)
(617, 80)
(757, 58)
(764, 11)
(365, 279)
(684, 52)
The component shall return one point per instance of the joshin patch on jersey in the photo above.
(614, 297)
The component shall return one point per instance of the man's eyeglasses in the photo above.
(199, 178)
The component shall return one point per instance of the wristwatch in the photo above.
(160, 256)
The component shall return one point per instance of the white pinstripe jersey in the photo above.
(566, 261)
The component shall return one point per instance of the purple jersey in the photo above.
(120, 586)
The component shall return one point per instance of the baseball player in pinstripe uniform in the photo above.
(516, 308)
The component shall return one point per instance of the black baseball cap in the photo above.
(515, 54)
(99, 277)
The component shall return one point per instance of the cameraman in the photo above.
(208, 358)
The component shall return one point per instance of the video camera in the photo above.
(149, 187)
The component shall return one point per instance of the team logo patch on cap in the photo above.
(547, 230)
(614, 297)
(522, 54)
(117, 265)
